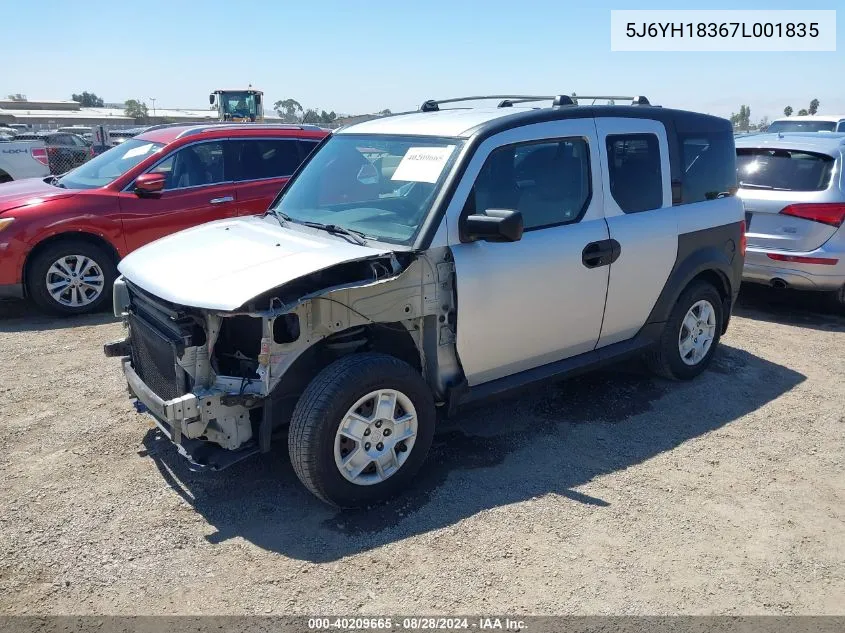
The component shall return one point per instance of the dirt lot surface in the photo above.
(612, 493)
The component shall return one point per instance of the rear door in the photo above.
(640, 217)
(198, 189)
(261, 167)
(770, 180)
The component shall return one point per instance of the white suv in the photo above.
(419, 262)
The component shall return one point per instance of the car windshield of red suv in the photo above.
(108, 166)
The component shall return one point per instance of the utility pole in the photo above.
(153, 99)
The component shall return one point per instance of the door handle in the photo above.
(221, 200)
(602, 253)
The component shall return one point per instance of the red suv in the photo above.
(62, 237)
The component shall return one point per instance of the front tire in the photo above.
(361, 430)
(691, 334)
(71, 277)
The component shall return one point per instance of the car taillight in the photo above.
(832, 213)
(800, 259)
(40, 154)
(743, 238)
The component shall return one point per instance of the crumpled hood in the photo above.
(28, 191)
(222, 265)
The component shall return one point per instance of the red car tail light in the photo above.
(40, 154)
(832, 213)
(743, 240)
(798, 259)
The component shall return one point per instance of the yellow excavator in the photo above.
(240, 106)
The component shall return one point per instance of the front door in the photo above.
(197, 190)
(539, 300)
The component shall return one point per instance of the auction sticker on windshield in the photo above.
(422, 164)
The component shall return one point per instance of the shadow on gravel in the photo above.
(547, 441)
(22, 316)
(814, 310)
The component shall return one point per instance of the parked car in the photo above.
(116, 137)
(61, 237)
(422, 262)
(64, 151)
(809, 123)
(794, 195)
(19, 160)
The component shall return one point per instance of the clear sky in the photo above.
(358, 56)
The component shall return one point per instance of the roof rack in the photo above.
(433, 105)
(195, 127)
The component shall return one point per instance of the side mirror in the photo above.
(149, 184)
(210, 99)
(494, 225)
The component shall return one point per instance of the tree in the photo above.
(88, 100)
(136, 109)
(814, 106)
(787, 111)
(574, 100)
(311, 116)
(385, 112)
(16, 97)
(742, 120)
(802, 112)
(289, 110)
(763, 125)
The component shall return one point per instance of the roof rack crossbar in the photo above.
(432, 105)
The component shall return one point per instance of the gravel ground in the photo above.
(611, 493)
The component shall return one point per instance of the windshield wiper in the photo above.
(355, 236)
(749, 185)
(281, 217)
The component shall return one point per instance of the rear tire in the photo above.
(349, 450)
(837, 299)
(71, 277)
(691, 335)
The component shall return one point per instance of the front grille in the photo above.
(154, 359)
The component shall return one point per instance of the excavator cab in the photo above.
(241, 106)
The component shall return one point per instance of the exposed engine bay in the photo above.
(227, 380)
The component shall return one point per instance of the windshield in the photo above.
(382, 186)
(783, 170)
(239, 105)
(108, 166)
(802, 126)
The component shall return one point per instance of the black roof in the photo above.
(682, 121)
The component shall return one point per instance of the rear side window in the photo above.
(634, 170)
(709, 166)
(783, 170)
(266, 158)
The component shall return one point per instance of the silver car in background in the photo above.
(794, 195)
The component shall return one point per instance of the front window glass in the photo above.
(239, 105)
(802, 126)
(108, 166)
(193, 166)
(382, 186)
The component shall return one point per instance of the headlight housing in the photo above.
(4, 222)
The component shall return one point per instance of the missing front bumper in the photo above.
(169, 416)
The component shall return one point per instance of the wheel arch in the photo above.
(710, 264)
(392, 339)
(84, 236)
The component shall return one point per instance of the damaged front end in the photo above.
(220, 384)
